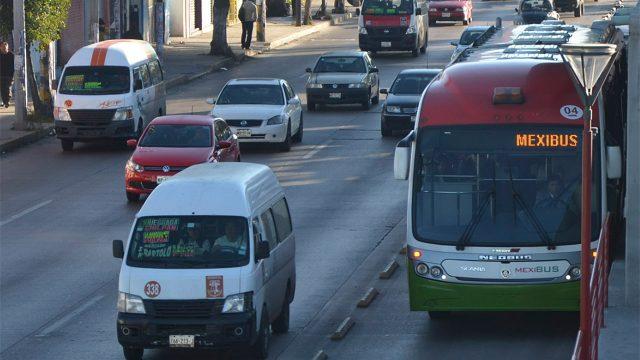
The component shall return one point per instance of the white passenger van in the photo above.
(110, 89)
(209, 262)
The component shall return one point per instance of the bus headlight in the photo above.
(124, 113)
(61, 114)
(422, 269)
(128, 303)
(436, 272)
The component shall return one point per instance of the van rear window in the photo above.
(95, 80)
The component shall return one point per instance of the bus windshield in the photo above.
(95, 80)
(387, 7)
(500, 186)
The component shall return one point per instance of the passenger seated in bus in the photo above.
(194, 238)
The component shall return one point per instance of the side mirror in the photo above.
(211, 101)
(262, 250)
(418, 11)
(402, 157)
(294, 101)
(358, 12)
(517, 11)
(308, 70)
(614, 162)
(132, 143)
(137, 85)
(118, 249)
(374, 70)
(453, 43)
(224, 144)
(384, 91)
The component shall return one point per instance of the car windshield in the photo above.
(470, 36)
(187, 136)
(346, 64)
(251, 94)
(411, 84)
(95, 80)
(500, 186)
(536, 5)
(189, 242)
(387, 7)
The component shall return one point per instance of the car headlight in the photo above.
(133, 166)
(363, 31)
(238, 303)
(132, 304)
(314, 86)
(459, 9)
(356, 86)
(61, 114)
(275, 120)
(123, 113)
(411, 30)
(433, 10)
(393, 109)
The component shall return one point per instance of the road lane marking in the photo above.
(25, 212)
(63, 320)
(316, 149)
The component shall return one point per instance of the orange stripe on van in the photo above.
(99, 55)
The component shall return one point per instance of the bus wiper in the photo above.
(529, 213)
(475, 220)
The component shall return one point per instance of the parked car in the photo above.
(536, 11)
(210, 263)
(575, 6)
(261, 111)
(401, 106)
(343, 77)
(451, 10)
(170, 144)
(469, 35)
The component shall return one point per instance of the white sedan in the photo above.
(260, 110)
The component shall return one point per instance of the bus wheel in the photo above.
(439, 315)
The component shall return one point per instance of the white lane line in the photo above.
(315, 149)
(63, 320)
(25, 212)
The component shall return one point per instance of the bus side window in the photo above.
(156, 72)
(145, 76)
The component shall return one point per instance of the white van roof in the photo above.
(118, 52)
(225, 189)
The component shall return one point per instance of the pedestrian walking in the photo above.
(247, 14)
(6, 72)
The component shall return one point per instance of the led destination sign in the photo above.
(547, 140)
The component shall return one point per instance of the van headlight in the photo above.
(314, 86)
(238, 303)
(275, 120)
(131, 304)
(123, 113)
(61, 114)
(356, 86)
(363, 31)
(411, 30)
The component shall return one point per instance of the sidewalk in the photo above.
(10, 138)
(619, 340)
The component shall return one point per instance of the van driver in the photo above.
(232, 238)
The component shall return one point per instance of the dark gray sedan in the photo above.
(343, 77)
(401, 107)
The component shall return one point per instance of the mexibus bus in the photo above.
(494, 164)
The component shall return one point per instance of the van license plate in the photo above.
(243, 133)
(446, 14)
(184, 341)
(160, 179)
(385, 44)
(335, 95)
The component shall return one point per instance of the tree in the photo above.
(44, 20)
(307, 12)
(219, 45)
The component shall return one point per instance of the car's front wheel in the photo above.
(261, 346)
(298, 136)
(286, 144)
(366, 105)
(384, 129)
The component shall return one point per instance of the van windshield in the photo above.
(189, 242)
(387, 7)
(95, 80)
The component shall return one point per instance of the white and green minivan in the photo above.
(209, 262)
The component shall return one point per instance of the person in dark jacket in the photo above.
(6, 72)
(247, 14)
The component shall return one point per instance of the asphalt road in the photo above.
(60, 211)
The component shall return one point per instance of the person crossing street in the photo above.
(247, 14)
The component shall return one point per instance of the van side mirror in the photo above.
(262, 250)
(384, 91)
(374, 70)
(118, 249)
(614, 162)
(418, 11)
(308, 70)
(211, 101)
(358, 12)
(402, 157)
(137, 85)
(132, 143)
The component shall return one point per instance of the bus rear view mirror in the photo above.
(614, 162)
(402, 157)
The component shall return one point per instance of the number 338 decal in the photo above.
(152, 289)
(571, 112)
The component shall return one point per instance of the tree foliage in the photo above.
(44, 20)
(6, 18)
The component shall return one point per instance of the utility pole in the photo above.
(159, 18)
(262, 19)
(20, 62)
(298, 11)
(632, 201)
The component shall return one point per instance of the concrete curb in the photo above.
(343, 329)
(368, 297)
(300, 34)
(389, 270)
(31, 137)
(183, 79)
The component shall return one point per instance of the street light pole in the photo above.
(585, 229)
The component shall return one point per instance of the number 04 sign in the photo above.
(571, 112)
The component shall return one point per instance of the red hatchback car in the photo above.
(170, 144)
